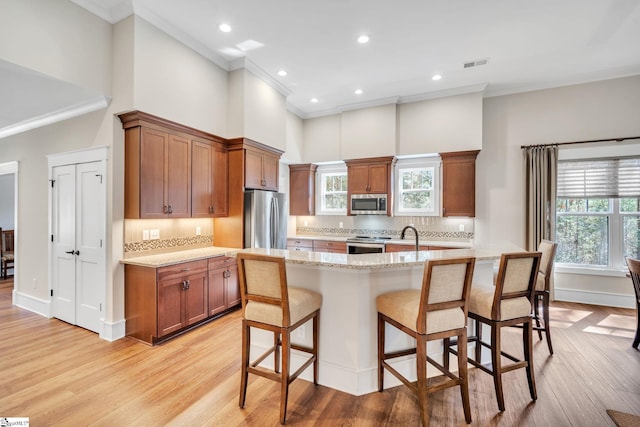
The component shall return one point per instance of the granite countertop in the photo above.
(407, 241)
(384, 260)
(176, 257)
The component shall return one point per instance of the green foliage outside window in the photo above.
(416, 189)
(335, 191)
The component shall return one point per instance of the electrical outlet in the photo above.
(305, 223)
(340, 224)
(198, 231)
(154, 234)
(145, 234)
(461, 227)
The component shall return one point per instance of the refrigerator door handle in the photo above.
(274, 222)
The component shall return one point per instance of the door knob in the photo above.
(73, 252)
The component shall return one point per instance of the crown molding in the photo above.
(369, 104)
(256, 70)
(75, 110)
(462, 90)
(113, 14)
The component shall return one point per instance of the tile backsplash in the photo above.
(429, 228)
(171, 233)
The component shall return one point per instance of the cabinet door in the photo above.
(233, 286)
(170, 306)
(220, 183)
(202, 180)
(270, 172)
(302, 195)
(253, 170)
(178, 173)
(378, 178)
(216, 291)
(459, 183)
(358, 180)
(196, 298)
(152, 173)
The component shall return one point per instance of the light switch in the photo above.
(154, 234)
(145, 234)
(198, 231)
(461, 227)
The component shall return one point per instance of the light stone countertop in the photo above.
(407, 241)
(384, 260)
(176, 257)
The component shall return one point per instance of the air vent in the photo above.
(476, 63)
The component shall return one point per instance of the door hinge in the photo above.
(52, 237)
(100, 307)
(52, 182)
(100, 242)
(51, 292)
(100, 175)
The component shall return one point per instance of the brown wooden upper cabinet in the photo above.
(302, 189)
(261, 169)
(459, 183)
(161, 178)
(209, 171)
(370, 176)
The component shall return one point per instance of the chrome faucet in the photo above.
(414, 232)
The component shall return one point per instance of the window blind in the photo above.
(599, 178)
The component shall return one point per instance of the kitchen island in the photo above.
(349, 285)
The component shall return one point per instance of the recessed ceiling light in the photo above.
(314, 100)
(436, 77)
(363, 39)
(225, 28)
(282, 73)
(358, 91)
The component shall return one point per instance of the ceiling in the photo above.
(526, 45)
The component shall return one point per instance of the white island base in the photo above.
(349, 285)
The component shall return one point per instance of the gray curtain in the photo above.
(541, 164)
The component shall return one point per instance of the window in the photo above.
(417, 187)
(332, 190)
(598, 212)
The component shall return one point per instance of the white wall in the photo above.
(605, 109)
(440, 125)
(176, 83)
(78, 52)
(295, 138)
(368, 132)
(322, 139)
(265, 113)
(235, 104)
(7, 194)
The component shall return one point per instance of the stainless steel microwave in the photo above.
(368, 204)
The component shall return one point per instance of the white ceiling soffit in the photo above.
(31, 99)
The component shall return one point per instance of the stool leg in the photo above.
(244, 374)
(463, 374)
(496, 363)
(380, 352)
(446, 345)
(527, 339)
(284, 377)
(478, 348)
(636, 340)
(547, 329)
(316, 325)
(536, 312)
(423, 393)
(276, 352)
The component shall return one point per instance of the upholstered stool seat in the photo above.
(482, 298)
(269, 303)
(438, 311)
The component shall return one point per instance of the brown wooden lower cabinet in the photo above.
(400, 247)
(305, 245)
(330, 246)
(160, 302)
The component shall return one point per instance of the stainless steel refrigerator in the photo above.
(265, 219)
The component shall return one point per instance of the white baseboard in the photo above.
(112, 331)
(595, 298)
(31, 303)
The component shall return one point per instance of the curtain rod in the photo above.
(580, 142)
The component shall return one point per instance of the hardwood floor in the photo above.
(58, 374)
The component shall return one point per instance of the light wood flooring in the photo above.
(58, 374)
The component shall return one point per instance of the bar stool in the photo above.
(268, 303)
(508, 303)
(437, 311)
(543, 292)
(634, 272)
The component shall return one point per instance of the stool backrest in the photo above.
(446, 284)
(548, 250)
(516, 278)
(263, 279)
(634, 272)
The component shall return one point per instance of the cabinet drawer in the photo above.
(221, 262)
(300, 243)
(184, 269)
(401, 247)
(329, 246)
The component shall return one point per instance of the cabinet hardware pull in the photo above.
(184, 285)
(170, 210)
(186, 269)
(188, 284)
(164, 209)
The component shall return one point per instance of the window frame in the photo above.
(322, 171)
(413, 163)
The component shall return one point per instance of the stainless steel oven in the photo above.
(366, 245)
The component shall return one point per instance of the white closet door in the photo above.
(63, 224)
(78, 236)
